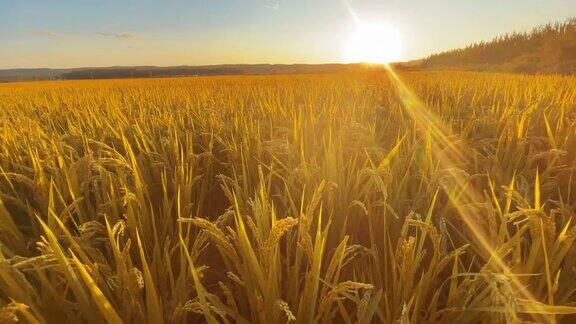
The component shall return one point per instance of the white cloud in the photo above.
(44, 32)
(273, 4)
(122, 35)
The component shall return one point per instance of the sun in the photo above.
(375, 43)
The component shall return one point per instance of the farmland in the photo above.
(359, 197)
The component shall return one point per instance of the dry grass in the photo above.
(289, 199)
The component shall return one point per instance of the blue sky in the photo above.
(50, 33)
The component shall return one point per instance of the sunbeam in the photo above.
(452, 154)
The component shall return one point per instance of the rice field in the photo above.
(424, 197)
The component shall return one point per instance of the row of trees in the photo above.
(548, 48)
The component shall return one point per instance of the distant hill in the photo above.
(116, 72)
(29, 74)
(226, 69)
(547, 49)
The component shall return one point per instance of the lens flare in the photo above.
(452, 154)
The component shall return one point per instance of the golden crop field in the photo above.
(355, 198)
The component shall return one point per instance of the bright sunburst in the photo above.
(375, 43)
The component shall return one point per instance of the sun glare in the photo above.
(376, 43)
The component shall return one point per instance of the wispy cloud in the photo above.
(123, 35)
(273, 4)
(220, 15)
(43, 33)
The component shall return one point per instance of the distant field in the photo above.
(424, 197)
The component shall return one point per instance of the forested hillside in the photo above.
(549, 49)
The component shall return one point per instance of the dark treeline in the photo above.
(548, 48)
(118, 72)
(226, 69)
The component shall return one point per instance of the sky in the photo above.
(77, 33)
